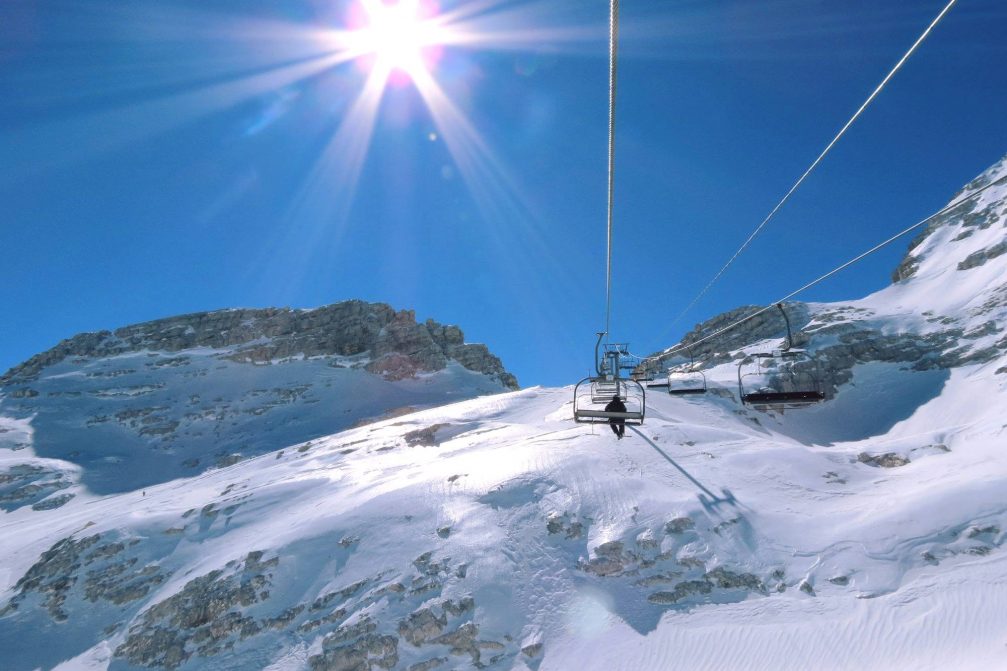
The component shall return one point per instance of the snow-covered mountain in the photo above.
(153, 402)
(863, 533)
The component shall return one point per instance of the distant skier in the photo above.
(618, 424)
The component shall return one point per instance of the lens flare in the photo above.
(400, 37)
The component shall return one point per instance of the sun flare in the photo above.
(400, 35)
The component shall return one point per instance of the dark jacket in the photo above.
(615, 405)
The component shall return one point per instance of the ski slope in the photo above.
(569, 537)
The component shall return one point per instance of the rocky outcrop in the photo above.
(768, 324)
(852, 340)
(97, 568)
(398, 345)
(980, 257)
(27, 484)
(971, 215)
(203, 619)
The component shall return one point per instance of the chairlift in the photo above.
(783, 378)
(592, 394)
(643, 373)
(686, 379)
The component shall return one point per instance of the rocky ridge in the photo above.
(399, 346)
(842, 336)
(124, 409)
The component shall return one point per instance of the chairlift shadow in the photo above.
(707, 498)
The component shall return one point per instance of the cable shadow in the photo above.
(707, 498)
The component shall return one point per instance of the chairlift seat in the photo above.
(601, 414)
(783, 397)
(685, 392)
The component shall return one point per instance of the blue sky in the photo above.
(166, 157)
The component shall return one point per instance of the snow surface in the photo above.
(713, 537)
(761, 502)
(158, 416)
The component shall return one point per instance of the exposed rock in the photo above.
(886, 460)
(348, 650)
(659, 579)
(561, 524)
(53, 575)
(463, 606)
(462, 641)
(422, 626)
(399, 346)
(201, 619)
(681, 591)
(603, 566)
(725, 579)
(426, 436)
(987, 532)
(27, 484)
(108, 575)
(53, 502)
(532, 651)
(768, 324)
(611, 549)
(983, 255)
(679, 525)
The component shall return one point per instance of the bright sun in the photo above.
(397, 34)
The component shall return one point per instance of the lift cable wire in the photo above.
(613, 41)
(832, 272)
(815, 163)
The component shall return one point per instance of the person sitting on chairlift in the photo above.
(618, 424)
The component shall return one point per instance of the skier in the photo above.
(618, 424)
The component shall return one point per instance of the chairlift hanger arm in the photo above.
(597, 346)
(790, 337)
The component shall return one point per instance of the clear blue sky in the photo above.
(167, 157)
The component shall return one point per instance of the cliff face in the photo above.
(117, 410)
(398, 346)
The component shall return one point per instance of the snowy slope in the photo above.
(704, 540)
(111, 413)
(865, 533)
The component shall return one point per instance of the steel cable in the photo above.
(613, 41)
(847, 264)
(815, 163)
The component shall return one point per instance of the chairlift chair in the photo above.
(604, 388)
(588, 410)
(592, 394)
(783, 378)
(643, 373)
(686, 379)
